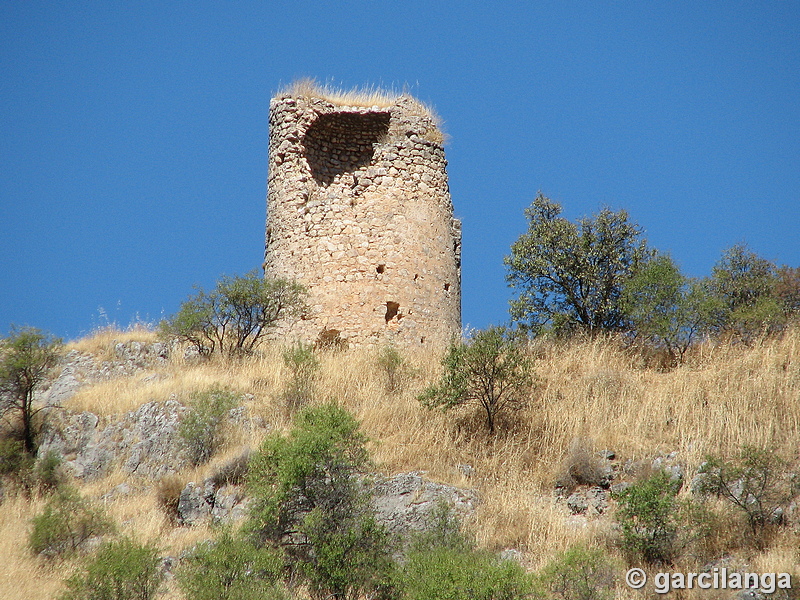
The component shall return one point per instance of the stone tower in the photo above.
(359, 211)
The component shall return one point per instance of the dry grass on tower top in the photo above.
(368, 96)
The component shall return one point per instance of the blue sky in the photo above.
(134, 136)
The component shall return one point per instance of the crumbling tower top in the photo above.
(359, 211)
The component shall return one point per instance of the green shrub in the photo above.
(48, 474)
(121, 570)
(200, 428)
(442, 529)
(648, 514)
(462, 574)
(748, 288)
(442, 562)
(580, 573)
(309, 503)
(755, 484)
(231, 568)
(667, 309)
(66, 522)
(491, 370)
(15, 464)
(395, 368)
(303, 366)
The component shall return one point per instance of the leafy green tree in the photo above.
(788, 289)
(121, 570)
(309, 503)
(234, 317)
(26, 357)
(570, 275)
(491, 369)
(666, 308)
(200, 428)
(231, 568)
(745, 283)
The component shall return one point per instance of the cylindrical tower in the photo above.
(359, 211)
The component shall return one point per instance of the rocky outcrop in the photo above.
(143, 442)
(404, 503)
(79, 369)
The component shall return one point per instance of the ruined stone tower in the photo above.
(359, 211)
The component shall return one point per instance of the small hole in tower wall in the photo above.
(391, 310)
(380, 268)
(446, 287)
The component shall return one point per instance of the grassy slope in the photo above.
(589, 391)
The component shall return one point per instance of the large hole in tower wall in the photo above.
(338, 143)
(391, 310)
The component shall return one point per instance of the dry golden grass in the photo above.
(23, 575)
(364, 97)
(101, 342)
(592, 391)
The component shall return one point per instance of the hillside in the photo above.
(595, 406)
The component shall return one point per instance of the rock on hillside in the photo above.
(143, 442)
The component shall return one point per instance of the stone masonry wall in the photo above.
(359, 211)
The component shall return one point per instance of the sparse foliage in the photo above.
(570, 275)
(309, 503)
(26, 357)
(234, 317)
(491, 369)
(787, 289)
(121, 570)
(303, 366)
(754, 483)
(200, 428)
(65, 523)
(395, 367)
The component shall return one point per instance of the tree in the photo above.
(788, 289)
(309, 503)
(666, 308)
(26, 357)
(234, 317)
(745, 283)
(491, 369)
(570, 275)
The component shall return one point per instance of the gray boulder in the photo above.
(405, 502)
(143, 442)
